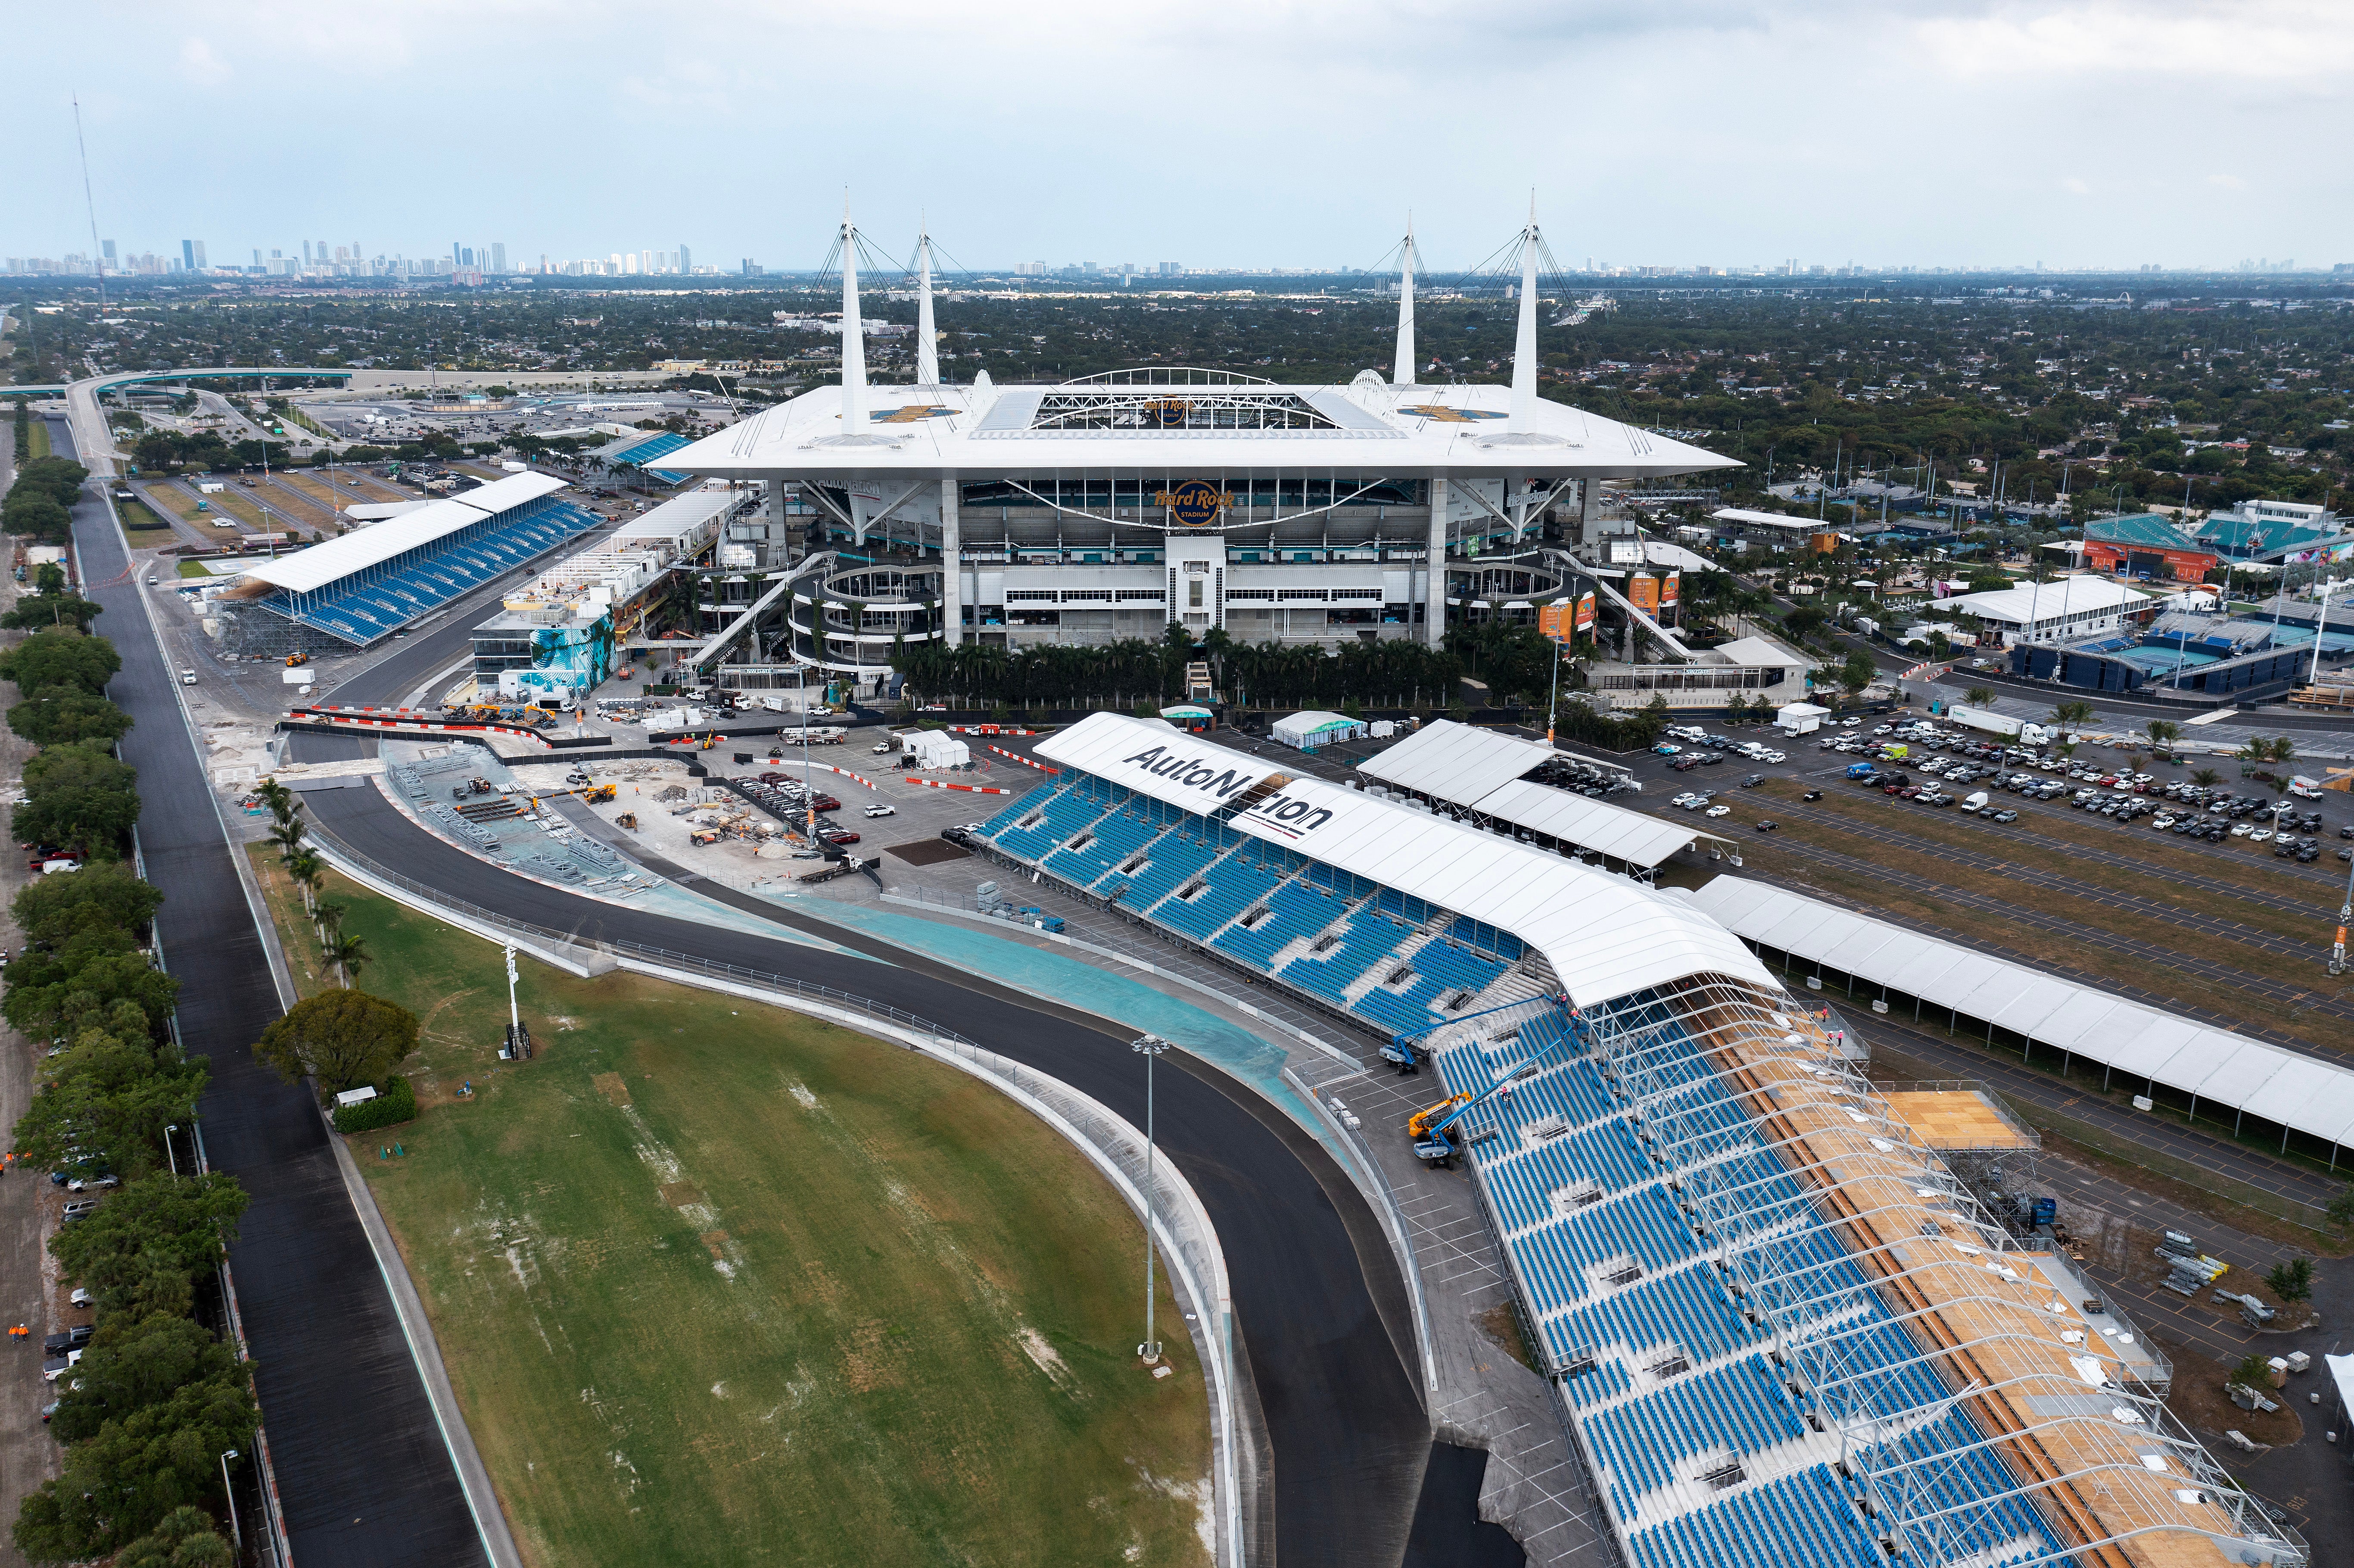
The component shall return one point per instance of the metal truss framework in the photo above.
(1817, 1157)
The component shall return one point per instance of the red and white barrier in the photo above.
(968, 788)
(992, 729)
(1026, 762)
(356, 719)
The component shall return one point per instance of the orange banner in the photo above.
(1643, 590)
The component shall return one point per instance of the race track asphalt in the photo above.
(1307, 1263)
(363, 1473)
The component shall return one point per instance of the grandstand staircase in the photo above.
(1299, 947)
(1402, 954)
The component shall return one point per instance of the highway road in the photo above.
(365, 1476)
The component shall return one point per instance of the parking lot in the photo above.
(2225, 913)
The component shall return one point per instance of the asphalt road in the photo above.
(363, 1473)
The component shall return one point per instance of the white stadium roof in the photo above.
(2265, 1081)
(1604, 934)
(1768, 519)
(1487, 772)
(305, 571)
(1367, 426)
(2077, 594)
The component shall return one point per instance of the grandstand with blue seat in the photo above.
(363, 586)
(640, 454)
(1717, 1235)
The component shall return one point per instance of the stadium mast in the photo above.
(1402, 373)
(1524, 348)
(928, 354)
(854, 336)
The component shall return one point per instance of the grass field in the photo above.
(719, 1283)
(139, 518)
(40, 435)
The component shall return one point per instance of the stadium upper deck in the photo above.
(1784, 1330)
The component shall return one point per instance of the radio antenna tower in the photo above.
(97, 250)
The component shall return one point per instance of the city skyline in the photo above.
(1967, 133)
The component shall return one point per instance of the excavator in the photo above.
(1428, 1129)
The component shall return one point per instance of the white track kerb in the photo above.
(1188, 1241)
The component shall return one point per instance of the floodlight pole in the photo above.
(1149, 1046)
(173, 1159)
(2345, 917)
(236, 1534)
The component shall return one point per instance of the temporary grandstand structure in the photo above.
(363, 586)
(2296, 1093)
(1784, 1330)
(1483, 777)
(1313, 729)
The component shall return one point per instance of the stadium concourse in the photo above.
(1780, 1328)
(363, 586)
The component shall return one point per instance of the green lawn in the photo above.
(718, 1284)
(194, 569)
(137, 518)
(40, 434)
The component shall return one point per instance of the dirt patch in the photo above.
(611, 1086)
(678, 1194)
(1502, 1323)
(2199, 1400)
(928, 852)
(867, 1363)
(2118, 1245)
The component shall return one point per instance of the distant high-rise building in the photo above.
(107, 251)
(751, 268)
(1029, 268)
(645, 261)
(200, 262)
(465, 256)
(685, 260)
(498, 256)
(257, 255)
(1172, 269)
(188, 254)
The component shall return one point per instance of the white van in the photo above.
(1974, 802)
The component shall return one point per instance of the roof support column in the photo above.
(1433, 627)
(951, 563)
(1589, 512)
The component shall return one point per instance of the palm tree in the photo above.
(2206, 778)
(328, 917)
(1978, 696)
(287, 836)
(303, 866)
(2162, 733)
(345, 955)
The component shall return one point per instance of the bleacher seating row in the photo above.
(1083, 830)
(1741, 1405)
(377, 601)
(1672, 1321)
(1638, 1436)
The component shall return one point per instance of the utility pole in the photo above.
(1149, 1046)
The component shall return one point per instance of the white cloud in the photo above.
(2260, 40)
(201, 65)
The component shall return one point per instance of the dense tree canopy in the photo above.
(59, 657)
(342, 1038)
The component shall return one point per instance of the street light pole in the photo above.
(235, 1534)
(1149, 1046)
(168, 1155)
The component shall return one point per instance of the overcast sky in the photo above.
(1270, 133)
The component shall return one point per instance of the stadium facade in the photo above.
(1781, 1327)
(1119, 505)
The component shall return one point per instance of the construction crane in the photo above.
(1429, 1128)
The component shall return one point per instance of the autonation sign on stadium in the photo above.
(1157, 759)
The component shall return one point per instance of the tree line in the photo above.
(1515, 662)
(156, 1396)
(39, 505)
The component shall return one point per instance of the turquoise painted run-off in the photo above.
(1099, 989)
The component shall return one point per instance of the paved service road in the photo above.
(363, 1472)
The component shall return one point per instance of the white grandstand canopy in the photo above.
(306, 571)
(2215, 1064)
(1486, 772)
(1604, 934)
(1106, 423)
